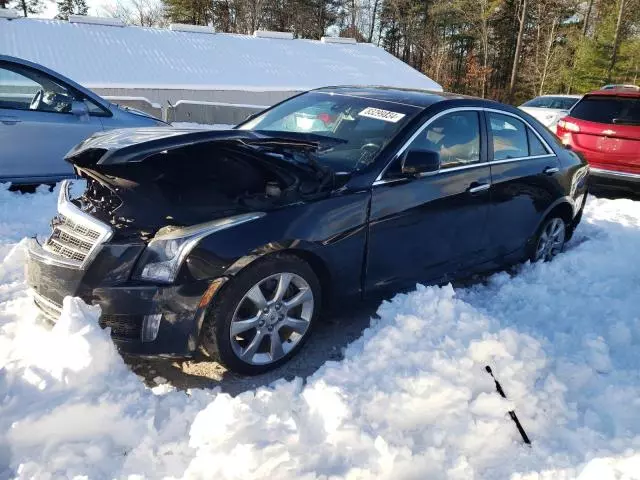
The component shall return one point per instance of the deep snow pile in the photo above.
(409, 401)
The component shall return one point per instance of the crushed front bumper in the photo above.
(131, 310)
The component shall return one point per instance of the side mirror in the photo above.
(79, 108)
(417, 162)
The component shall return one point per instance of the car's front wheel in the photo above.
(550, 239)
(264, 315)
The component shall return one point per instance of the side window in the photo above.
(95, 110)
(16, 91)
(26, 89)
(509, 137)
(535, 145)
(455, 136)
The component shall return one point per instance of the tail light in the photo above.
(569, 126)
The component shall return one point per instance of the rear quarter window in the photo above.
(607, 109)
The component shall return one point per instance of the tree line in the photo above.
(510, 50)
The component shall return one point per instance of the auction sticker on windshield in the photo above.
(381, 114)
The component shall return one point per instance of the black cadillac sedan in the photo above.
(233, 241)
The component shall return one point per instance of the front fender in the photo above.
(332, 230)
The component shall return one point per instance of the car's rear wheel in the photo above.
(550, 240)
(263, 315)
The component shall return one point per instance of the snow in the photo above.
(410, 399)
(100, 56)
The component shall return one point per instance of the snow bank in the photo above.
(410, 400)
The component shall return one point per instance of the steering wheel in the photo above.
(367, 153)
(37, 98)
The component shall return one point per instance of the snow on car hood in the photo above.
(410, 399)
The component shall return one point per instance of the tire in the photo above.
(253, 349)
(549, 239)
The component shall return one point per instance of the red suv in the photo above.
(604, 126)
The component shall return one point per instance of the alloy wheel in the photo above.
(271, 319)
(551, 240)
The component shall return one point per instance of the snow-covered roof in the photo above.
(102, 56)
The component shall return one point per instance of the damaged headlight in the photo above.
(168, 249)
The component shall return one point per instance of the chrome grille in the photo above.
(79, 229)
(70, 240)
(76, 235)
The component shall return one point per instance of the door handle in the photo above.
(476, 187)
(7, 120)
(550, 170)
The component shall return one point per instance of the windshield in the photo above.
(362, 126)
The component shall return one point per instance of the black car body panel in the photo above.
(362, 231)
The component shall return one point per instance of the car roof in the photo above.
(562, 95)
(615, 92)
(410, 97)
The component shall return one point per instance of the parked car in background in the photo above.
(43, 115)
(617, 86)
(548, 109)
(234, 240)
(605, 128)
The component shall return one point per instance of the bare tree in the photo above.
(585, 23)
(548, 54)
(616, 40)
(372, 20)
(145, 13)
(522, 18)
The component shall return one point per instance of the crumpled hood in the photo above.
(120, 146)
(147, 178)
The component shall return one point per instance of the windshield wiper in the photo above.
(626, 121)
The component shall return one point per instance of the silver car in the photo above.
(548, 109)
(43, 115)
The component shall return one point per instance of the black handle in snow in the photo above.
(512, 414)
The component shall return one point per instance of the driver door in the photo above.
(431, 227)
(35, 136)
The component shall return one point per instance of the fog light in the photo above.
(150, 327)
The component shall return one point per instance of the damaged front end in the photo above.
(124, 243)
(193, 178)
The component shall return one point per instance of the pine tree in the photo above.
(28, 7)
(71, 7)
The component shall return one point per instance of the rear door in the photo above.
(37, 127)
(430, 227)
(609, 132)
(524, 181)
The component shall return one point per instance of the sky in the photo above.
(96, 7)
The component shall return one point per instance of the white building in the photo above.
(210, 76)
